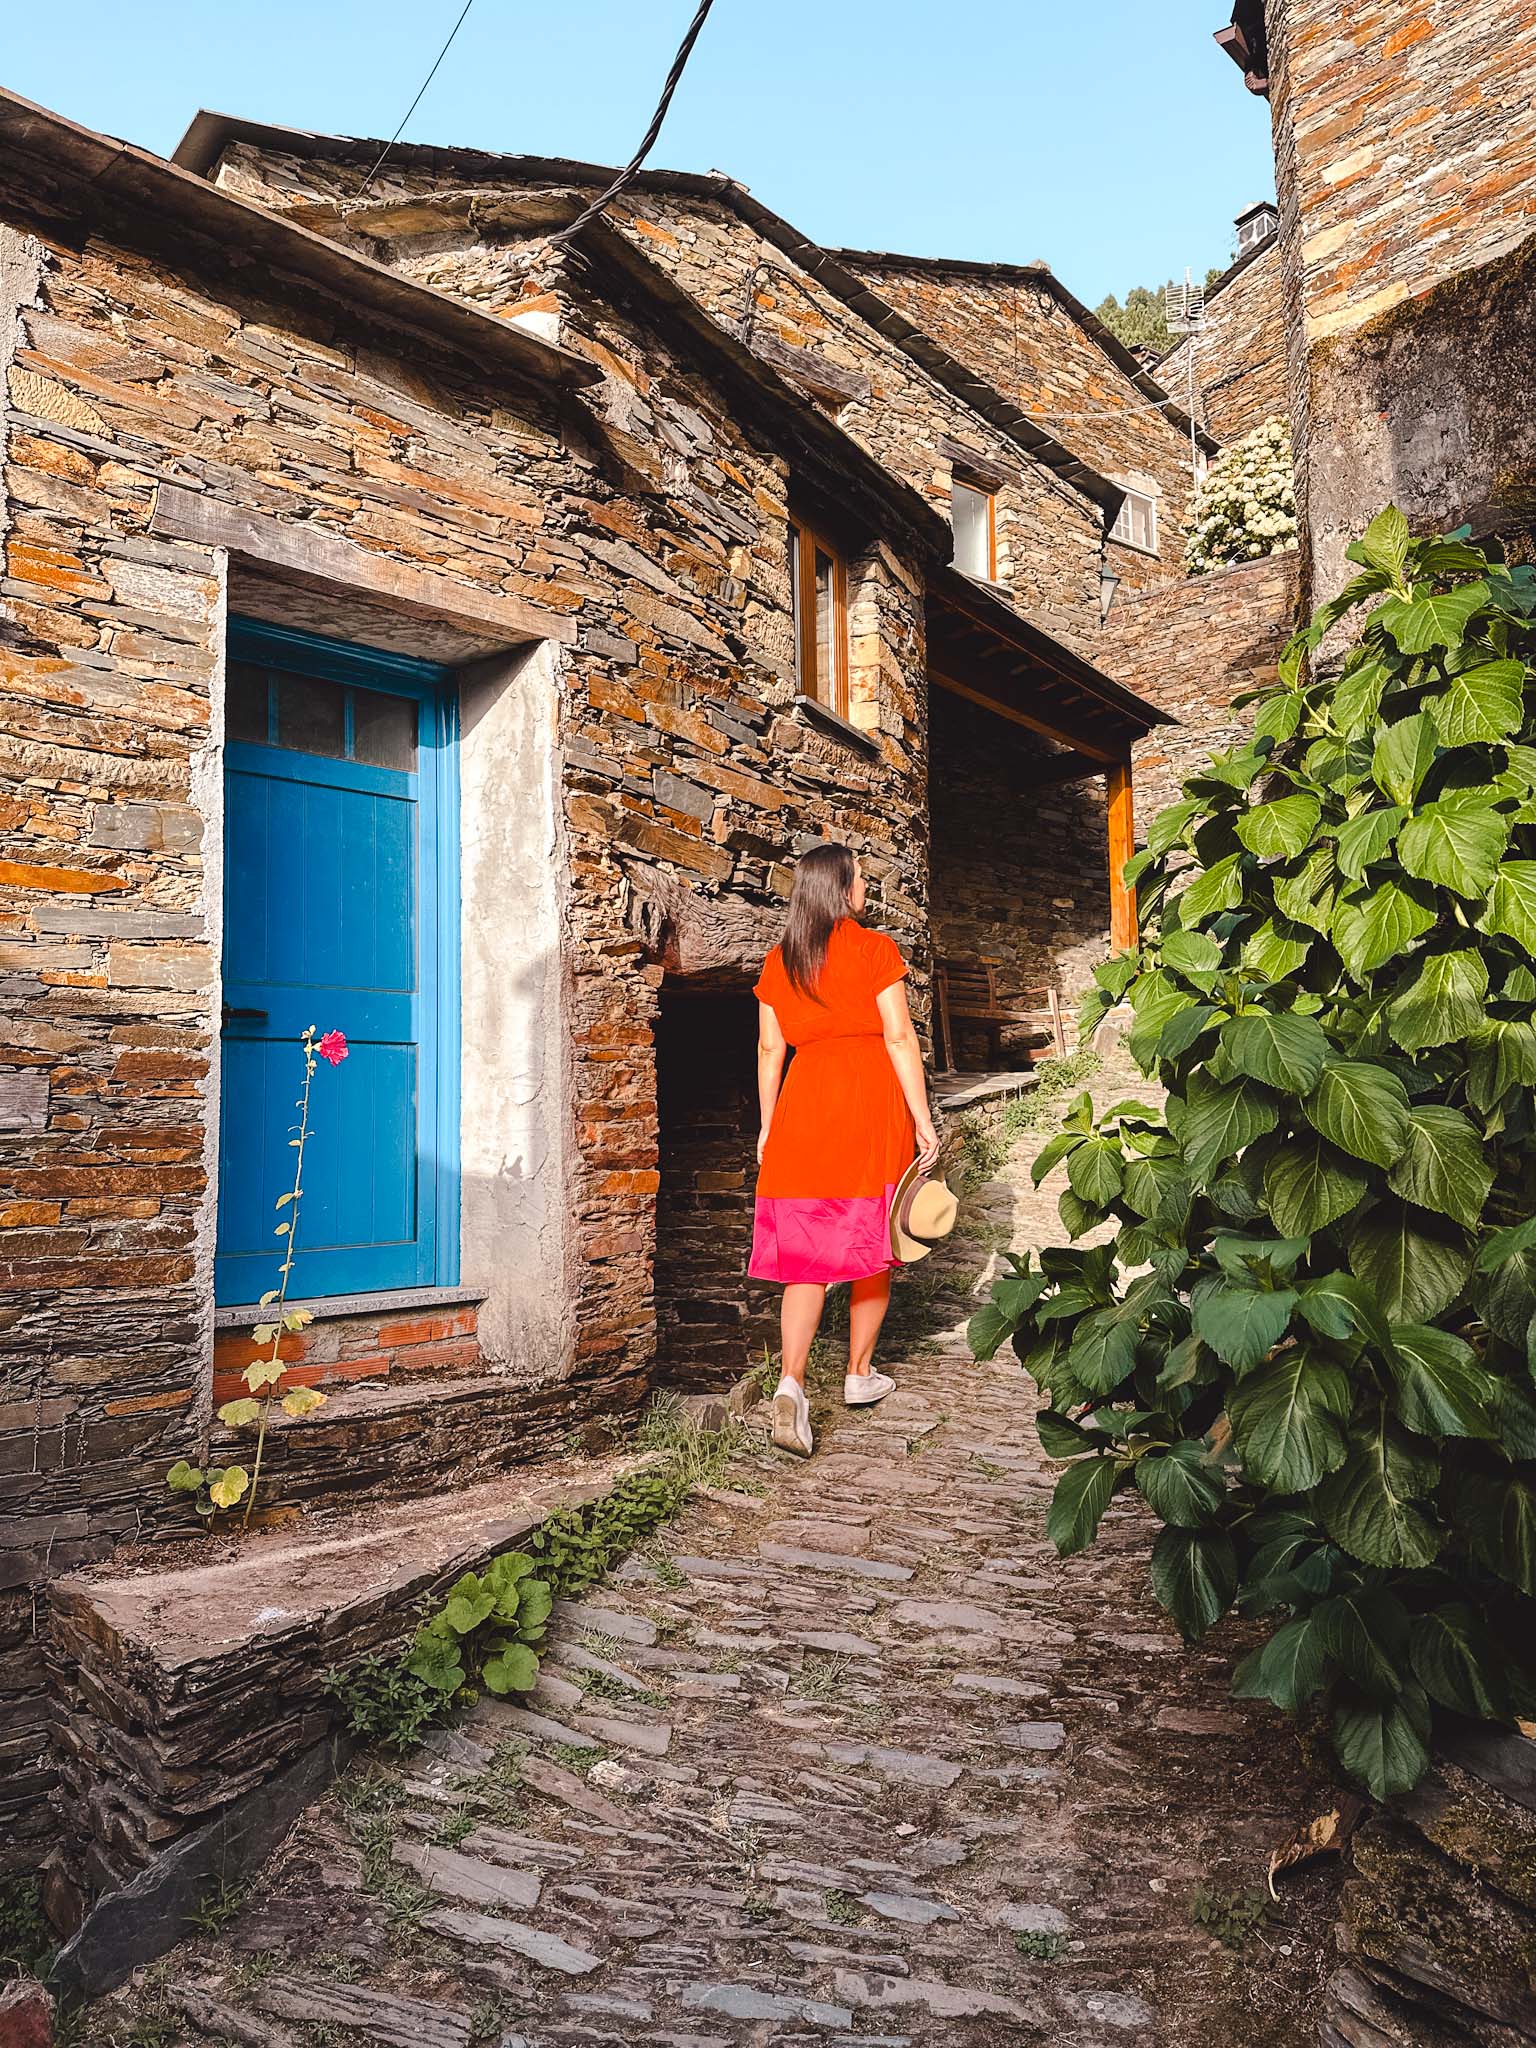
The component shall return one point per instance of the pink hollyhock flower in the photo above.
(333, 1047)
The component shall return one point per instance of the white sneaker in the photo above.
(863, 1389)
(792, 1419)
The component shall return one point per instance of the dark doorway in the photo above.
(711, 1320)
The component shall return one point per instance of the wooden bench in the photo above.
(967, 993)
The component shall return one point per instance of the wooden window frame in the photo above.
(831, 692)
(980, 489)
(1124, 540)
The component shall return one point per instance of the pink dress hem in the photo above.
(822, 1240)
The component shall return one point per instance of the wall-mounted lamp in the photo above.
(1109, 583)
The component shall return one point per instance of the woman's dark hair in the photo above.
(817, 905)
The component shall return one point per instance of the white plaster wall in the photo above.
(517, 1121)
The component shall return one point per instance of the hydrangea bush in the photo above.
(1309, 1344)
(1245, 507)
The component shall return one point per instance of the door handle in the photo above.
(227, 1014)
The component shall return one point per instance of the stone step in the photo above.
(183, 1687)
(394, 1439)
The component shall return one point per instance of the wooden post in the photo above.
(1122, 844)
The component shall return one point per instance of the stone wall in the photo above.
(373, 1344)
(1013, 327)
(1404, 133)
(1240, 372)
(1439, 1914)
(1020, 869)
(1190, 648)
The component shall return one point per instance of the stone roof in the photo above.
(40, 145)
(209, 133)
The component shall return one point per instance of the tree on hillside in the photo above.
(1141, 321)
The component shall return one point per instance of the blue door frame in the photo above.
(341, 909)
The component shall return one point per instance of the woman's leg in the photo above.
(799, 1320)
(871, 1297)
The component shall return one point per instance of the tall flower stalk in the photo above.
(225, 1486)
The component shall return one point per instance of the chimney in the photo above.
(1256, 226)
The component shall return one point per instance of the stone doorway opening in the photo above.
(711, 1319)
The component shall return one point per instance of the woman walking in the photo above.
(838, 1132)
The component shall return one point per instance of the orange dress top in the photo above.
(841, 1135)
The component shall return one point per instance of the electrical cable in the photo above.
(415, 103)
(626, 176)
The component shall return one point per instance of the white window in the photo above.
(972, 514)
(1136, 522)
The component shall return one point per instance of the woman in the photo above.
(839, 1132)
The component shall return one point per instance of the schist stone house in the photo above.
(419, 624)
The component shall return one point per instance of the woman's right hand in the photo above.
(927, 1141)
(762, 1143)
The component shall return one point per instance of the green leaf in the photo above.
(1181, 1485)
(1337, 1306)
(1216, 1120)
(1479, 705)
(1288, 1669)
(1077, 1507)
(1191, 953)
(1441, 1388)
(1402, 757)
(1240, 1323)
(1443, 1166)
(1278, 948)
(1455, 1660)
(513, 1669)
(435, 1659)
(1183, 1028)
(1414, 1263)
(1279, 1047)
(1442, 1001)
(184, 1478)
(1368, 1506)
(1168, 827)
(1455, 845)
(1367, 838)
(1365, 1632)
(239, 1414)
(1060, 1437)
(1277, 717)
(1422, 623)
(1287, 1418)
(1362, 1109)
(1194, 1576)
(1115, 976)
(1306, 895)
(1309, 1184)
(1495, 1517)
(1504, 1244)
(1095, 1171)
(1012, 1298)
(1506, 1297)
(1357, 696)
(1385, 1747)
(1281, 829)
(1511, 911)
(469, 1602)
(1374, 924)
(1052, 1154)
(1219, 888)
(1384, 543)
(535, 1604)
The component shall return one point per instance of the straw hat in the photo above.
(922, 1212)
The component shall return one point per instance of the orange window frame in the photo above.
(832, 690)
(980, 490)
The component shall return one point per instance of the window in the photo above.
(1136, 523)
(973, 515)
(819, 580)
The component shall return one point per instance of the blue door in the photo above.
(341, 911)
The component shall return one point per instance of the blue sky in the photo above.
(1110, 137)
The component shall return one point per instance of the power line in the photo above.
(415, 103)
(685, 50)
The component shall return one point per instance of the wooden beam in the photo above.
(1122, 844)
(1093, 748)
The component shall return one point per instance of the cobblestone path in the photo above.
(876, 1768)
